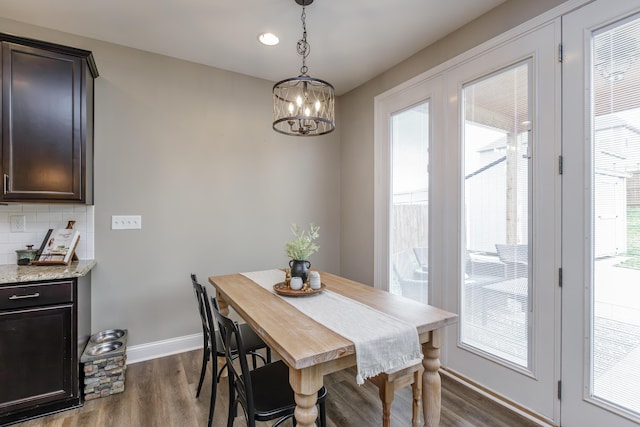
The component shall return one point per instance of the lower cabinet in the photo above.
(39, 349)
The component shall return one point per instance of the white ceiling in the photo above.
(351, 41)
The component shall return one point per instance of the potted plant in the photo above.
(300, 248)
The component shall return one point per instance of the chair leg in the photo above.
(203, 370)
(232, 402)
(212, 403)
(323, 414)
(269, 356)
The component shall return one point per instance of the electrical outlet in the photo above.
(126, 222)
(18, 223)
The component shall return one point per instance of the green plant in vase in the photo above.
(301, 248)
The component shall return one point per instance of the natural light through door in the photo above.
(466, 170)
(601, 215)
(615, 324)
(495, 295)
(409, 219)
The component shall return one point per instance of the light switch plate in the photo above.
(126, 222)
(18, 223)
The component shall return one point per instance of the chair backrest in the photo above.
(205, 312)
(197, 292)
(241, 378)
(405, 265)
(422, 254)
(513, 253)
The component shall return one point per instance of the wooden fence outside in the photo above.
(411, 226)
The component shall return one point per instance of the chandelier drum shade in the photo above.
(303, 105)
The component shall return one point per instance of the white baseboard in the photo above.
(153, 350)
(501, 400)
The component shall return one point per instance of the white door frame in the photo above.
(442, 224)
(386, 105)
(578, 407)
(533, 389)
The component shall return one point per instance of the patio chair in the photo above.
(515, 259)
(422, 255)
(413, 281)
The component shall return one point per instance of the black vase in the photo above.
(300, 268)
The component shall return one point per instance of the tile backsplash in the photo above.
(39, 219)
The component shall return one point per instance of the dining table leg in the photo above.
(222, 304)
(431, 384)
(305, 384)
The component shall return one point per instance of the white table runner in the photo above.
(383, 343)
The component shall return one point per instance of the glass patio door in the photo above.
(409, 220)
(408, 151)
(495, 303)
(508, 204)
(601, 215)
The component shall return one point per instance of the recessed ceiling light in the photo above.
(269, 39)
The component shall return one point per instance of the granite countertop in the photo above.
(13, 273)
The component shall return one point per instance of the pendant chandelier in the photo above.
(303, 105)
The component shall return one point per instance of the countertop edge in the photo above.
(10, 273)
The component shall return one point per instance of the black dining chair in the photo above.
(213, 344)
(264, 393)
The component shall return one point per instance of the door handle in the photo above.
(36, 295)
(6, 183)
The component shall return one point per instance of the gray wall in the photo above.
(356, 144)
(190, 148)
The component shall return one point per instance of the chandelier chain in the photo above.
(303, 47)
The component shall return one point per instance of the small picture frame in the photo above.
(58, 247)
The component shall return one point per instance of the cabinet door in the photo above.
(43, 136)
(37, 357)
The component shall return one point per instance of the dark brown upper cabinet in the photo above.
(47, 122)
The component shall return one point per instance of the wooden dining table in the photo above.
(312, 350)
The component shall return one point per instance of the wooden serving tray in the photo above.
(282, 289)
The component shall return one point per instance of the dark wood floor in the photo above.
(161, 392)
